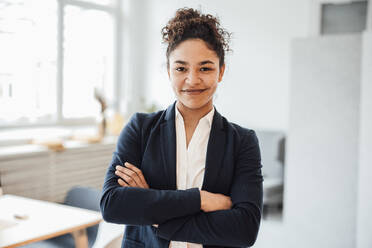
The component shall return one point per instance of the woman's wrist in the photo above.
(210, 202)
(202, 200)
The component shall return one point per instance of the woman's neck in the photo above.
(193, 115)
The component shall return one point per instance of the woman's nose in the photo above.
(193, 77)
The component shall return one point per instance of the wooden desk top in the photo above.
(24, 220)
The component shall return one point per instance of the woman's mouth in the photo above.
(193, 91)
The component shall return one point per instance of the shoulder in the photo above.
(138, 127)
(238, 132)
(146, 118)
(143, 121)
(244, 139)
(148, 121)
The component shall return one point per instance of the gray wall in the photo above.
(322, 159)
(364, 237)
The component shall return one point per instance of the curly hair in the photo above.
(189, 23)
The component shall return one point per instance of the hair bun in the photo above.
(189, 23)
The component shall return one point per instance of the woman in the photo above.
(185, 176)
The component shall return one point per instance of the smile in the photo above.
(193, 91)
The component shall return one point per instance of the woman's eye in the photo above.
(205, 69)
(180, 69)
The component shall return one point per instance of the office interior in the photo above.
(73, 72)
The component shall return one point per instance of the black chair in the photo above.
(82, 197)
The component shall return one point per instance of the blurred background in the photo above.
(72, 72)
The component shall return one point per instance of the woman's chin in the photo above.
(193, 105)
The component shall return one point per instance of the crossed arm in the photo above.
(217, 224)
(186, 215)
(131, 176)
(151, 206)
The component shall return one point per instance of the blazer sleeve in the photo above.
(138, 206)
(237, 226)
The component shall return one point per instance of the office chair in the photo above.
(82, 197)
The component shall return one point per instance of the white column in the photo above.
(364, 221)
(321, 174)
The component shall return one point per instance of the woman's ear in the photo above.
(222, 71)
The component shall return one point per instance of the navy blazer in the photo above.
(233, 168)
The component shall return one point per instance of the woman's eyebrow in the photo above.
(181, 62)
(206, 62)
(200, 63)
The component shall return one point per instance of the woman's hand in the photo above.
(130, 176)
(212, 202)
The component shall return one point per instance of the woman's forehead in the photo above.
(194, 51)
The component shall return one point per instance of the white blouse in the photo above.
(191, 159)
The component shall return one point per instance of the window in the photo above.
(88, 60)
(338, 16)
(54, 54)
(28, 48)
(344, 18)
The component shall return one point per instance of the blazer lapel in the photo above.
(215, 152)
(168, 145)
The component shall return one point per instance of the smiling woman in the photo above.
(194, 72)
(185, 176)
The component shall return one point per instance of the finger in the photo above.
(130, 166)
(128, 172)
(129, 180)
(122, 183)
(138, 172)
(119, 168)
(134, 176)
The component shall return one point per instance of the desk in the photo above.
(24, 220)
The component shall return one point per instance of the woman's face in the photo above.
(194, 73)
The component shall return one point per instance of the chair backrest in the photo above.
(88, 198)
(272, 146)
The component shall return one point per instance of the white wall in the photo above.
(255, 89)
